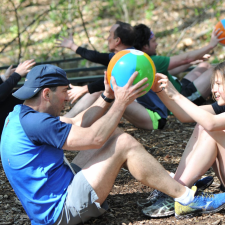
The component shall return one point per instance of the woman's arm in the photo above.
(186, 110)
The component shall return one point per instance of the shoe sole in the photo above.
(190, 215)
(163, 215)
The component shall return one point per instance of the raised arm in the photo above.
(93, 56)
(183, 108)
(7, 86)
(97, 134)
(191, 56)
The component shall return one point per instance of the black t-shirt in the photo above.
(218, 109)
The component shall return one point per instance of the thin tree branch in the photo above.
(33, 21)
(18, 30)
(83, 23)
(179, 39)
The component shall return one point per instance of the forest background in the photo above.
(29, 28)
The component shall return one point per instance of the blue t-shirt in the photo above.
(32, 158)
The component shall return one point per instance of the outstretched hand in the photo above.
(76, 92)
(9, 72)
(162, 83)
(66, 43)
(215, 37)
(24, 68)
(128, 93)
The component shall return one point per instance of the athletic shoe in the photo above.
(152, 198)
(203, 203)
(164, 206)
(201, 184)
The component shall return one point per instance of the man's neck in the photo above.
(122, 47)
(35, 105)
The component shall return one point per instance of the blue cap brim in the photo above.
(25, 93)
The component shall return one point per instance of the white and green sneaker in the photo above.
(163, 207)
(152, 198)
(159, 204)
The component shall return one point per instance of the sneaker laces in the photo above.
(155, 193)
(205, 194)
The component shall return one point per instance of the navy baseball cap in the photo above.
(39, 77)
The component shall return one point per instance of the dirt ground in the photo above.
(166, 145)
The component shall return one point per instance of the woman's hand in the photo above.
(162, 84)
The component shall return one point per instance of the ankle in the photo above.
(186, 198)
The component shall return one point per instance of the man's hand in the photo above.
(215, 37)
(24, 68)
(127, 94)
(108, 90)
(76, 92)
(66, 43)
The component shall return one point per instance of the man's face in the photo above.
(58, 100)
(151, 50)
(112, 42)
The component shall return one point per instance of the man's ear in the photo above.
(144, 48)
(118, 41)
(46, 93)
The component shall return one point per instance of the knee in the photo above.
(201, 129)
(128, 143)
(203, 133)
(205, 65)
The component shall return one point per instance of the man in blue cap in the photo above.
(34, 136)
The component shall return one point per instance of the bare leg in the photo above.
(201, 80)
(197, 72)
(103, 167)
(204, 149)
(138, 116)
(86, 101)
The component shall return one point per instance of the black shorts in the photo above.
(189, 90)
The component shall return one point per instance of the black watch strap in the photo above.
(109, 100)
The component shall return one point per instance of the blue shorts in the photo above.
(80, 205)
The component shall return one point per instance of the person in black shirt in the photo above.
(121, 36)
(8, 82)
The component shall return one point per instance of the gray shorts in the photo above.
(80, 204)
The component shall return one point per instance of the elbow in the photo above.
(98, 142)
(210, 127)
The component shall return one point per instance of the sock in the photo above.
(172, 175)
(186, 198)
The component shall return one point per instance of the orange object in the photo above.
(221, 25)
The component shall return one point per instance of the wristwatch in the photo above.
(109, 100)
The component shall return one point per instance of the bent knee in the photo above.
(127, 142)
(205, 65)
